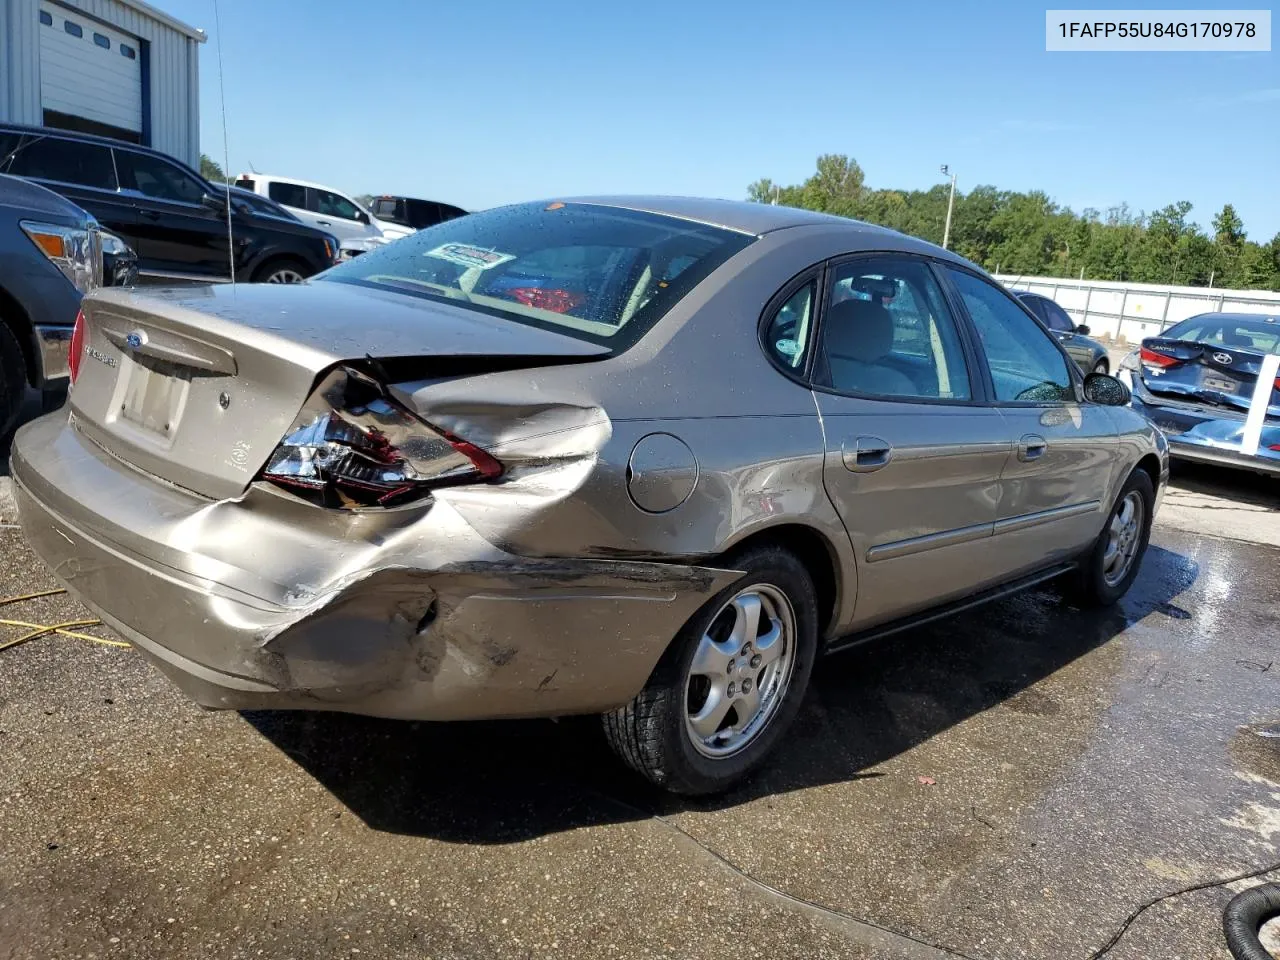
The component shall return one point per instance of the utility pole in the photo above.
(951, 202)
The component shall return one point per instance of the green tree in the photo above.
(211, 171)
(1028, 233)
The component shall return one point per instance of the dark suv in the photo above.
(172, 217)
(410, 212)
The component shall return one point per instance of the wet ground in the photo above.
(1017, 782)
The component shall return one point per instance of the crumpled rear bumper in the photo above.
(264, 602)
(1209, 435)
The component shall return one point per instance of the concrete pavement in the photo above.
(1013, 783)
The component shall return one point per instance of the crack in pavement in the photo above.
(1207, 885)
(873, 934)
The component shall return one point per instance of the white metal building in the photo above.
(117, 68)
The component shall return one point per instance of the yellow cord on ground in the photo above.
(31, 596)
(61, 631)
(40, 630)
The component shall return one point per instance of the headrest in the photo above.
(859, 330)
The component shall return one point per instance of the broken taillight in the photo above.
(75, 348)
(354, 446)
(1157, 359)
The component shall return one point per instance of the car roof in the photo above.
(1237, 317)
(758, 219)
(84, 137)
(293, 180)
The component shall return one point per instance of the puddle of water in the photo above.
(1256, 750)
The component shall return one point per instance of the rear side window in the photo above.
(887, 332)
(787, 335)
(290, 194)
(66, 161)
(245, 183)
(600, 274)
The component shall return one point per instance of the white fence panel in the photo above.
(1131, 311)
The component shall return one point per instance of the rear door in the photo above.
(81, 171)
(913, 454)
(1055, 489)
(177, 234)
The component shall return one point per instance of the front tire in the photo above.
(283, 270)
(13, 379)
(1109, 568)
(729, 685)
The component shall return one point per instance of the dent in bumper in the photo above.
(423, 621)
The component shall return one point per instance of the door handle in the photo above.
(1032, 447)
(865, 454)
(323, 223)
(151, 214)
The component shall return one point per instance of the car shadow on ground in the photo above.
(1239, 486)
(31, 408)
(494, 783)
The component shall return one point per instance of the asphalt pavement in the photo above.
(1025, 781)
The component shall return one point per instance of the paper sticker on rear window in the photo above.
(466, 255)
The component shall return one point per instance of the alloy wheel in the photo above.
(741, 671)
(1124, 536)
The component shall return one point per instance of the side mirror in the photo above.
(218, 204)
(1104, 389)
(1083, 330)
(362, 216)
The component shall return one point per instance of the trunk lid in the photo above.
(198, 385)
(1206, 373)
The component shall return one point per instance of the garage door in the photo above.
(88, 71)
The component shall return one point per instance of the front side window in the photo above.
(887, 332)
(65, 161)
(1026, 364)
(290, 194)
(788, 332)
(1057, 317)
(157, 178)
(600, 274)
(332, 205)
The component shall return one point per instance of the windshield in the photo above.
(1260, 333)
(598, 273)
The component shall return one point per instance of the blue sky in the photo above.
(484, 103)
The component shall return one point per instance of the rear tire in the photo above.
(282, 270)
(677, 731)
(1109, 568)
(13, 379)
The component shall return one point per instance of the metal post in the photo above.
(946, 231)
(1088, 295)
(1164, 314)
(1221, 297)
(1120, 323)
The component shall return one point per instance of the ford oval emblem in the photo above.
(1222, 357)
(135, 339)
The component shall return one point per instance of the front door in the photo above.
(913, 458)
(178, 235)
(1054, 492)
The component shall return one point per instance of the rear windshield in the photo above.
(597, 273)
(1244, 333)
